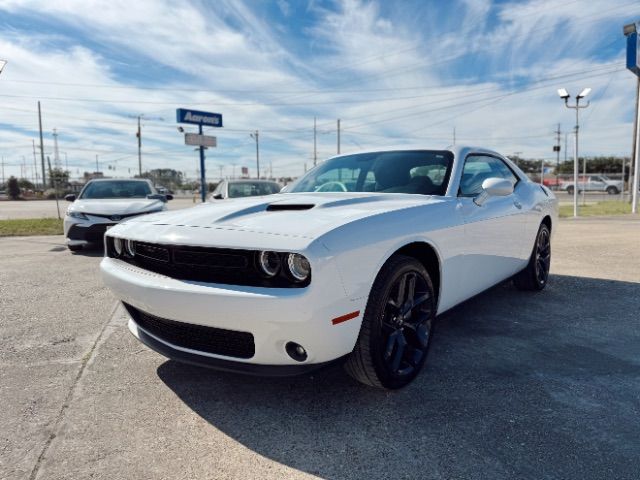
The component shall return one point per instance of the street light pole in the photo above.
(255, 136)
(139, 135)
(576, 168)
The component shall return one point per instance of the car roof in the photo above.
(119, 180)
(251, 180)
(458, 150)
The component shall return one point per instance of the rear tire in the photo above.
(396, 328)
(612, 190)
(74, 248)
(570, 190)
(536, 274)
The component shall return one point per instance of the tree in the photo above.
(61, 178)
(14, 188)
(166, 177)
(603, 164)
(25, 184)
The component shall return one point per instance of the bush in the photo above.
(14, 189)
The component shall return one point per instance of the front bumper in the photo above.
(273, 316)
(199, 360)
(80, 232)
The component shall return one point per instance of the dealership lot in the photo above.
(517, 384)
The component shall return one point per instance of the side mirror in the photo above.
(168, 196)
(70, 198)
(217, 196)
(157, 196)
(493, 187)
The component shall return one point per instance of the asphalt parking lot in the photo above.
(517, 385)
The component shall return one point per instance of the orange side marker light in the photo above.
(344, 318)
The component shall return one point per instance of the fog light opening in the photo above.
(296, 351)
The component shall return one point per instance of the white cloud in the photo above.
(228, 56)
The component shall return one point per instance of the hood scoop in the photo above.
(281, 207)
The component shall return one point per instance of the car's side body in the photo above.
(467, 246)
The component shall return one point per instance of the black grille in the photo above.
(93, 234)
(218, 341)
(205, 264)
(152, 252)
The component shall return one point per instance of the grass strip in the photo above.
(22, 227)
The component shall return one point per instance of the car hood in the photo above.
(250, 222)
(116, 206)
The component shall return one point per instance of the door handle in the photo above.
(517, 204)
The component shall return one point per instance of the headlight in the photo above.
(130, 247)
(269, 263)
(117, 246)
(299, 267)
(79, 215)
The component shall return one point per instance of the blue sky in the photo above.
(394, 72)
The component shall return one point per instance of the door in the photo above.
(495, 230)
(596, 184)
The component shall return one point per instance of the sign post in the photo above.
(633, 64)
(199, 118)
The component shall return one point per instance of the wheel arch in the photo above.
(426, 254)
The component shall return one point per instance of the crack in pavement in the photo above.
(67, 400)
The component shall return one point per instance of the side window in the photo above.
(477, 168)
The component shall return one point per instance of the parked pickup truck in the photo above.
(595, 183)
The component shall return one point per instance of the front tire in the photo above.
(612, 190)
(570, 190)
(536, 274)
(396, 328)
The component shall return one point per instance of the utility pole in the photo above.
(56, 154)
(338, 136)
(139, 135)
(97, 165)
(256, 137)
(3, 170)
(35, 162)
(315, 150)
(454, 135)
(44, 182)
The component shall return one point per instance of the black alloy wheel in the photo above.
(397, 326)
(543, 256)
(536, 274)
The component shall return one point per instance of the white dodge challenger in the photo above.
(352, 263)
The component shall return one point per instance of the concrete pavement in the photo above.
(517, 385)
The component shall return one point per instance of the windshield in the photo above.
(116, 189)
(252, 189)
(424, 172)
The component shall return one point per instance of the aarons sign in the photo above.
(197, 117)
